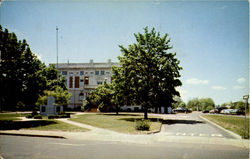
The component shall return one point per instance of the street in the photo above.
(182, 136)
(13, 147)
(190, 125)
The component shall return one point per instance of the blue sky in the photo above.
(211, 38)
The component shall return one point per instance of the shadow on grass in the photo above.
(16, 125)
(135, 119)
(120, 114)
(171, 121)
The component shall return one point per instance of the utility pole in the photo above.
(57, 56)
(245, 97)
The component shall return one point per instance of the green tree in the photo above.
(207, 103)
(183, 105)
(150, 71)
(194, 104)
(177, 102)
(102, 97)
(23, 77)
(62, 97)
(240, 105)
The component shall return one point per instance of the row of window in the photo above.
(77, 81)
(82, 73)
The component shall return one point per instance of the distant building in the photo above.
(81, 78)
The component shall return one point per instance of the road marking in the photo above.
(192, 134)
(216, 135)
(180, 134)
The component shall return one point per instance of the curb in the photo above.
(236, 136)
(32, 135)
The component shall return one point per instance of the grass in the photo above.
(58, 126)
(124, 123)
(10, 116)
(232, 123)
(12, 122)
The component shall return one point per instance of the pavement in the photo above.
(99, 134)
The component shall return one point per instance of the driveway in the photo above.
(190, 125)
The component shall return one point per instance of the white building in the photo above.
(81, 78)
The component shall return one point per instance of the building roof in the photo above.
(91, 64)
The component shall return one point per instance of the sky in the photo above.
(210, 38)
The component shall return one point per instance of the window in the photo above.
(96, 72)
(77, 80)
(64, 72)
(102, 72)
(81, 80)
(86, 80)
(81, 72)
(71, 82)
(43, 109)
(58, 109)
(99, 82)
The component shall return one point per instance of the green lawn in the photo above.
(12, 122)
(10, 116)
(124, 123)
(232, 123)
(55, 125)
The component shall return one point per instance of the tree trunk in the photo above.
(145, 112)
(117, 110)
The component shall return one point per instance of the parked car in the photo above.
(213, 111)
(227, 111)
(181, 110)
(237, 112)
(205, 111)
(219, 109)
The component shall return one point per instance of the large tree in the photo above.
(149, 71)
(194, 104)
(23, 77)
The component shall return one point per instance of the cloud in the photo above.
(241, 80)
(238, 87)
(196, 81)
(218, 88)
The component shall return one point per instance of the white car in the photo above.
(227, 111)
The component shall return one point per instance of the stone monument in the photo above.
(50, 108)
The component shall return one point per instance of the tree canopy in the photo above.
(23, 77)
(149, 72)
(201, 104)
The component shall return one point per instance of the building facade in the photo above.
(81, 78)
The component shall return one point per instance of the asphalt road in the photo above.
(12, 147)
(191, 125)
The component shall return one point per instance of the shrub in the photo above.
(34, 113)
(29, 116)
(142, 124)
(38, 116)
(53, 116)
(59, 116)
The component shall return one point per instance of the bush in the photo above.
(29, 116)
(38, 116)
(53, 116)
(59, 116)
(34, 113)
(142, 125)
